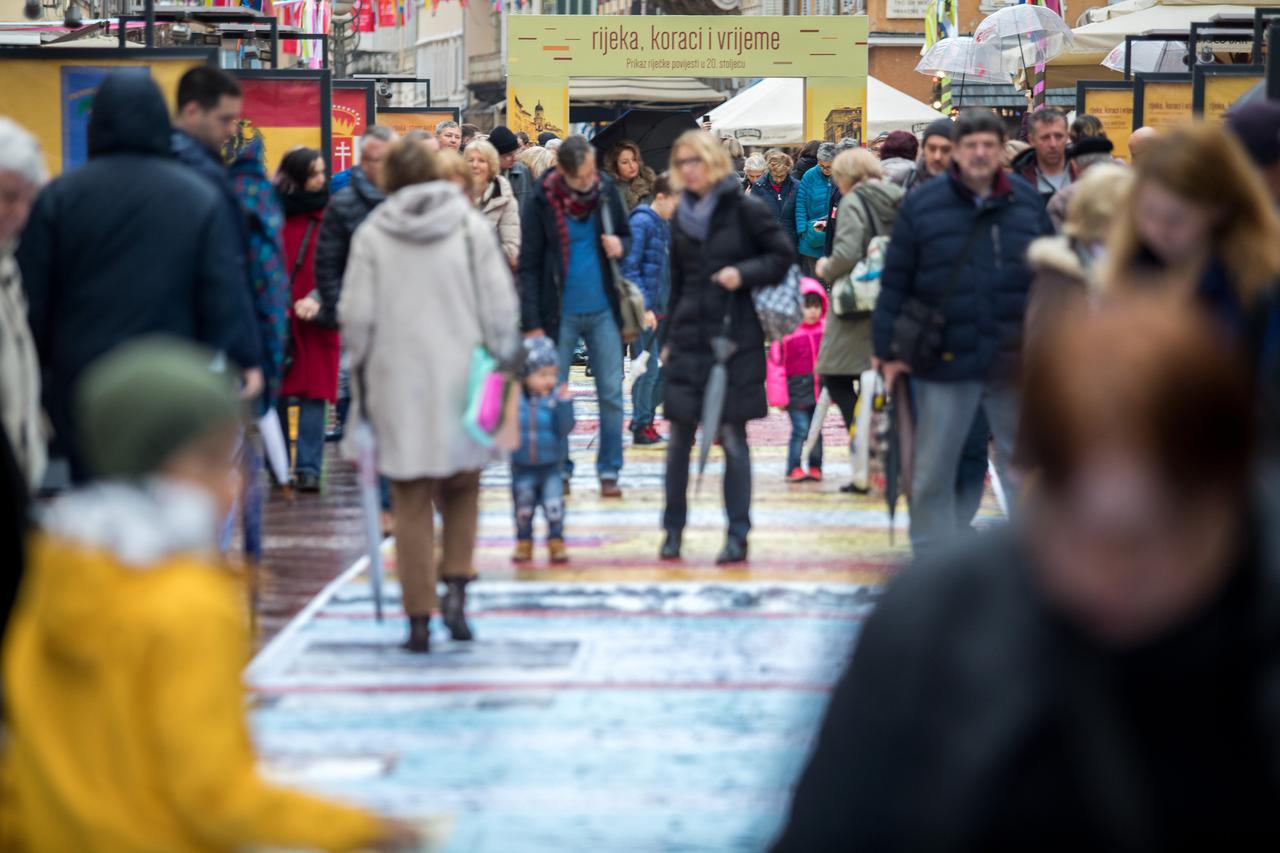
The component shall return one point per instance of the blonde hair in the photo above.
(1204, 165)
(409, 161)
(773, 155)
(707, 149)
(1012, 149)
(855, 166)
(537, 159)
(490, 154)
(450, 165)
(1096, 200)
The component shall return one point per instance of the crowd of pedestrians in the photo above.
(1102, 337)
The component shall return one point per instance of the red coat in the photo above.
(315, 349)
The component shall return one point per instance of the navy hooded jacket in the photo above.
(129, 244)
(988, 294)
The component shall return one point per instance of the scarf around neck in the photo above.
(302, 201)
(566, 201)
(694, 214)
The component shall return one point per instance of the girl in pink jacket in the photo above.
(792, 384)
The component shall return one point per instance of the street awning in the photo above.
(772, 112)
(1095, 40)
(643, 91)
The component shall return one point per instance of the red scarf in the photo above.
(566, 201)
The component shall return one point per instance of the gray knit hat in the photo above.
(147, 399)
(539, 352)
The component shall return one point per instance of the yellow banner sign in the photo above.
(687, 45)
(1221, 91)
(1114, 108)
(1166, 105)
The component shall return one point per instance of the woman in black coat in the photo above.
(724, 245)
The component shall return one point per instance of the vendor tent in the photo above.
(604, 98)
(1095, 40)
(771, 112)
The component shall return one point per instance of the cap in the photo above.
(942, 127)
(1089, 145)
(504, 140)
(539, 352)
(545, 137)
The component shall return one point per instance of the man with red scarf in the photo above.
(567, 289)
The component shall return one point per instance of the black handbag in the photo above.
(918, 328)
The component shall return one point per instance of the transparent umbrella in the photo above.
(961, 56)
(1024, 36)
(1150, 57)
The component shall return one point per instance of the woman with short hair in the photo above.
(724, 246)
(492, 194)
(426, 285)
(752, 170)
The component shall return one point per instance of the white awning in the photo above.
(642, 91)
(1094, 41)
(772, 112)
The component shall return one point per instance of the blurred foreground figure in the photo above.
(122, 661)
(1105, 674)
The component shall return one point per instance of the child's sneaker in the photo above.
(523, 553)
(559, 553)
(797, 475)
(815, 474)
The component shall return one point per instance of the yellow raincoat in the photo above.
(126, 710)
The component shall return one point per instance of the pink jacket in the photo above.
(797, 354)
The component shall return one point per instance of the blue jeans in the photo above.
(604, 341)
(538, 486)
(801, 420)
(647, 390)
(309, 453)
(945, 414)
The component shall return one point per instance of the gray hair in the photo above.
(380, 132)
(755, 163)
(447, 125)
(848, 143)
(826, 152)
(20, 153)
(1084, 161)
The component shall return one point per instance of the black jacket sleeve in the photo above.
(333, 242)
(225, 315)
(533, 249)
(775, 253)
(897, 282)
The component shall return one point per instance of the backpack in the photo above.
(855, 294)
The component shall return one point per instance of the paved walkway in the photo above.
(617, 704)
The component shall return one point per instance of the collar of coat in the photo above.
(1001, 187)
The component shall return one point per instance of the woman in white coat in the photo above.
(494, 197)
(426, 284)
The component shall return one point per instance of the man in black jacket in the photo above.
(516, 173)
(959, 246)
(567, 288)
(131, 243)
(208, 114)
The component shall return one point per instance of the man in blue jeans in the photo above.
(567, 290)
(959, 245)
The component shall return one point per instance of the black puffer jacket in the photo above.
(988, 295)
(129, 244)
(743, 234)
(347, 210)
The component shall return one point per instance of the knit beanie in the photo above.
(147, 399)
(539, 352)
(503, 140)
(942, 127)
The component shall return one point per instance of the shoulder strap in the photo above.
(958, 270)
(302, 250)
(871, 217)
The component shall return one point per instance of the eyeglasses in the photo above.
(688, 161)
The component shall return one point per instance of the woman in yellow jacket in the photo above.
(122, 664)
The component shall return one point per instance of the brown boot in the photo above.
(523, 552)
(454, 609)
(559, 553)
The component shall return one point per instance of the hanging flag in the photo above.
(941, 20)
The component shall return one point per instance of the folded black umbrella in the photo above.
(655, 131)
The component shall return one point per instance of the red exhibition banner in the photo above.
(366, 22)
(349, 123)
(386, 13)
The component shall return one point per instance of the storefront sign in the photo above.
(905, 8)
(1114, 108)
(1165, 105)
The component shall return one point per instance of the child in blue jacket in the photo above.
(546, 419)
(648, 264)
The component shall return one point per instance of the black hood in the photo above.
(129, 115)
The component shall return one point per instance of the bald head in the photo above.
(1140, 140)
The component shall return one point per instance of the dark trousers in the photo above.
(538, 486)
(801, 420)
(737, 477)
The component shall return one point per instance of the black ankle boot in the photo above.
(454, 609)
(671, 546)
(734, 551)
(419, 635)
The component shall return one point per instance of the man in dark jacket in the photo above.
(567, 288)
(516, 173)
(935, 153)
(959, 245)
(208, 115)
(129, 244)
(1104, 676)
(1044, 166)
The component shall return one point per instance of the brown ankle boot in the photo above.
(559, 554)
(523, 552)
